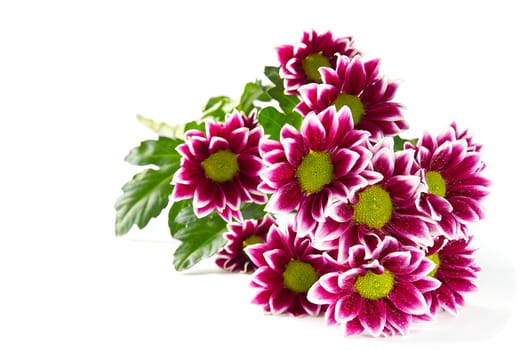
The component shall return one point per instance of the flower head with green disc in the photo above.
(356, 84)
(239, 236)
(300, 64)
(387, 207)
(287, 266)
(306, 169)
(456, 268)
(219, 168)
(380, 292)
(452, 171)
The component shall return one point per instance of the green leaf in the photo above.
(399, 142)
(158, 152)
(217, 107)
(272, 121)
(144, 197)
(253, 211)
(253, 92)
(195, 125)
(161, 128)
(200, 237)
(286, 102)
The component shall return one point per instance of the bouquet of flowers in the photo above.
(305, 183)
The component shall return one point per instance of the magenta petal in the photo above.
(427, 284)
(276, 259)
(285, 199)
(373, 316)
(217, 143)
(319, 295)
(238, 139)
(265, 277)
(294, 151)
(353, 327)
(348, 307)
(398, 319)
(396, 261)
(280, 301)
(408, 299)
(446, 299)
(314, 133)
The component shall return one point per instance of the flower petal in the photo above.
(408, 298)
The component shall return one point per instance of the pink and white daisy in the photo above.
(380, 293)
(327, 158)
(219, 168)
(452, 169)
(287, 267)
(456, 269)
(239, 236)
(356, 84)
(386, 207)
(299, 64)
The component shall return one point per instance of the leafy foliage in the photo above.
(200, 237)
(147, 193)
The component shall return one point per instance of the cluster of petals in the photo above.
(239, 235)
(283, 246)
(352, 76)
(456, 161)
(292, 57)
(397, 175)
(240, 143)
(330, 132)
(392, 312)
(456, 270)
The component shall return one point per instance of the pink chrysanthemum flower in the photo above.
(287, 267)
(456, 269)
(385, 207)
(306, 169)
(356, 84)
(219, 168)
(299, 64)
(380, 293)
(452, 169)
(239, 236)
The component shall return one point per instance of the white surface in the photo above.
(72, 78)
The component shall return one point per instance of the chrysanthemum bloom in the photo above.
(287, 267)
(299, 64)
(452, 169)
(356, 84)
(219, 168)
(380, 293)
(306, 169)
(239, 236)
(386, 207)
(456, 269)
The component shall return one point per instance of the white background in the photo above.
(73, 75)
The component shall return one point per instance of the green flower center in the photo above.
(374, 207)
(312, 63)
(436, 183)
(354, 104)
(436, 259)
(374, 286)
(253, 239)
(315, 171)
(221, 166)
(299, 276)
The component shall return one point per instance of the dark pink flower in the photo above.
(239, 236)
(219, 168)
(380, 292)
(287, 267)
(299, 64)
(456, 269)
(452, 170)
(356, 84)
(327, 158)
(386, 207)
